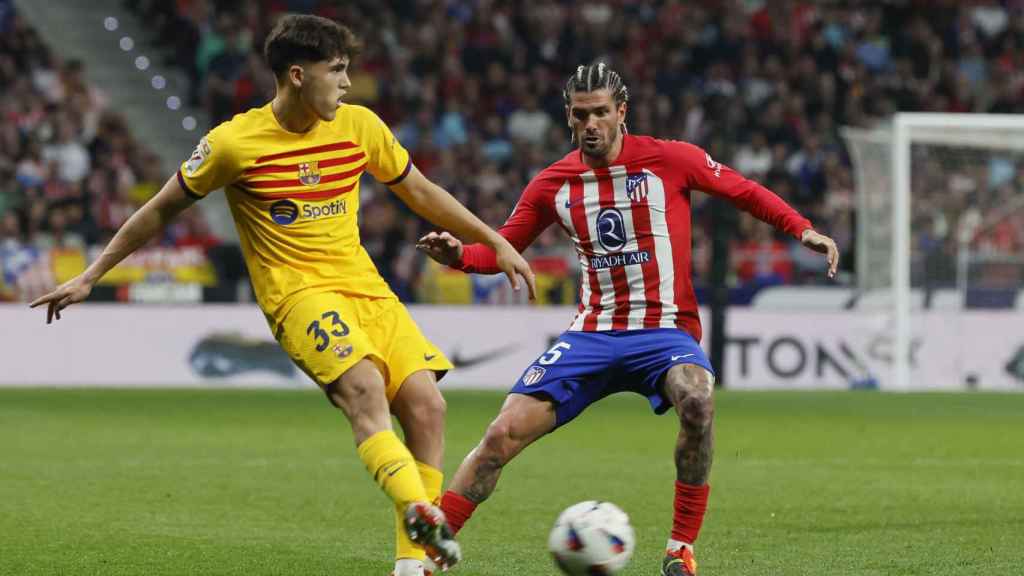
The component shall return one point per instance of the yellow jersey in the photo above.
(295, 198)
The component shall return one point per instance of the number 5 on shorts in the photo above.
(554, 353)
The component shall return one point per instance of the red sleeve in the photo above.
(701, 172)
(531, 216)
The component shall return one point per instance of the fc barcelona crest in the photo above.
(636, 187)
(309, 173)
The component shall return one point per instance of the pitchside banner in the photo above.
(225, 346)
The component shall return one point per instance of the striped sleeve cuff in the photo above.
(408, 167)
(188, 191)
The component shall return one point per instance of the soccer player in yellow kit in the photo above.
(291, 173)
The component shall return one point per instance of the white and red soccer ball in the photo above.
(592, 539)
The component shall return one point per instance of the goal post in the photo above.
(932, 190)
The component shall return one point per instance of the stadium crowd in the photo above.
(473, 90)
(71, 171)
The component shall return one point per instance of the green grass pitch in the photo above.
(261, 482)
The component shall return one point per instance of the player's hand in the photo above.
(71, 292)
(442, 247)
(512, 263)
(825, 245)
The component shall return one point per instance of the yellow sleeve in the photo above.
(211, 165)
(386, 159)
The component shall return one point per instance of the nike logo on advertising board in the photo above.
(460, 361)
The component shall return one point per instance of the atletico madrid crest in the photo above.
(533, 375)
(636, 187)
(309, 173)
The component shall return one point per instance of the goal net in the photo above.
(940, 245)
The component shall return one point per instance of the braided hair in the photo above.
(596, 76)
(593, 77)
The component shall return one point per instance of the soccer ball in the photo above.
(592, 538)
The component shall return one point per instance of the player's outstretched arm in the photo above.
(827, 246)
(439, 207)
(704, 173)
(143, 225)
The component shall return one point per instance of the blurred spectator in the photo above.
(10, 230)
(191, 229)
(67, 154)
(71, 171)
(753, 159)
(529, 124)
(772, 82)
(760, 257)
(57, 233)
(473, 90)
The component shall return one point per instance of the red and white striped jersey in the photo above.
(630, 223)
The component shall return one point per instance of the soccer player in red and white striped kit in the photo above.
(624, 200)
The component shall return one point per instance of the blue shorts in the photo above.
(583, 367)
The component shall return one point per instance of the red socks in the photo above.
(457, 509)
(690, 505)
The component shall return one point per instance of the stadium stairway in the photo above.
(76, 29)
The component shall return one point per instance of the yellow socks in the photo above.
(432, 480)
(403, 479)
(393, 468)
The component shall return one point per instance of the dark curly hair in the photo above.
(307, 38)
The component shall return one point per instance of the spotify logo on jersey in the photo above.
(284, 212)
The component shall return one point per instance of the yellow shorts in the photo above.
(326, 334)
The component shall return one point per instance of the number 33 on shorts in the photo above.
(338, 329)
(322, 335)
(326, 334)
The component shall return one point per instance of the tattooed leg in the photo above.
(689, 387)
(523, 419)
(483, 473)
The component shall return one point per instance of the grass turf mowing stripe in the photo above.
(266, 482)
